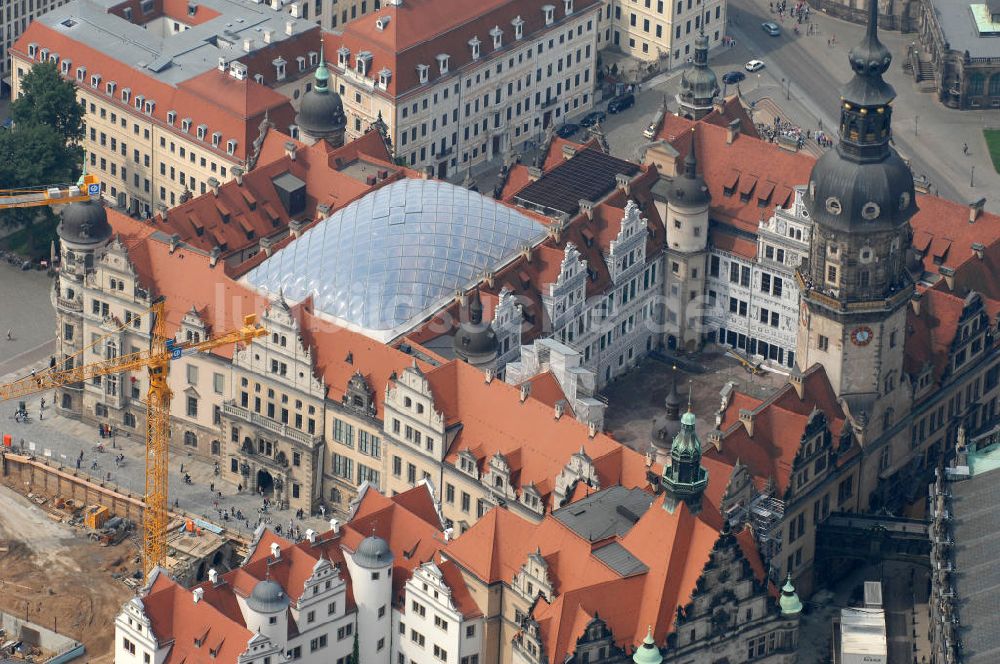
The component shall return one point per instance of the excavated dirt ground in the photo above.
(62, 577)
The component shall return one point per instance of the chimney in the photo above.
(949, 276)
(732, 131)
(746, 417)
(268, 35)
(976, 209)
(525, 391)
(560, 407)
(223, 65)
(428, 172)
(213, 576)
(197, 594)
(449, 533)
(915, 301)
(238, 174)
(335, 526)
(175, 241)
(534, 173)
(275, 551)
(586, 207)
(569, 151)
(526, 253)
(591, 429)
(322, 210)
(311, 535)
(266, 245)
(213, 257)
(248, 44)
(214, 184)
(289, 27)
(795, 378)
(719, 105)
(622, 181)
(489, 375)
(978, 248)
(295, 227)
(290, 150)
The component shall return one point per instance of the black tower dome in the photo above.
(863, 182)
(85, 223)
(321, 113)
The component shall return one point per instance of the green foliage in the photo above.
(992, 137)
(47, 99)
(356, 655)
(41, 150)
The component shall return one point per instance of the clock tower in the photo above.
(855, 286)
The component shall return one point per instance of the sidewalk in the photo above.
(62, 440)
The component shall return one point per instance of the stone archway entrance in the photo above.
(265, 483)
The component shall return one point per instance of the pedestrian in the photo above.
(965, 148)
(182, 467)
(211, 486)
(239, 488)
(10, 334)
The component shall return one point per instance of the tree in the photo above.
(42, 149)
(356, 655)
(48, 99)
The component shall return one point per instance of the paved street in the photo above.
(25, 307)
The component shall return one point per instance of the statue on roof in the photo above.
(258, 143)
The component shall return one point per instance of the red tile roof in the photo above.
(214, 98)
(419, 30)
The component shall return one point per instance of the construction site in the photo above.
(71, 555)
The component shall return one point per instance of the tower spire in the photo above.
(691, 160)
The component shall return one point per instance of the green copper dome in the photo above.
(647, 653)
(789, 601)
(688, 418)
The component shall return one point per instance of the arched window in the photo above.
(216, 447)
(190, 439)
(128, 419)
(976, 84)
(995, 85)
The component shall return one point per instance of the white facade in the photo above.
(578, 383)
(753, 304)
(463, 116)
(611, 331)
(431, 628)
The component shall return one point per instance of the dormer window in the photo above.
(216, 138)
(171, 117)
(95, 81)
(32, 49)
(138, 101)
(422, 72)
(259, 78)
(279, 68)
(550, 13)
(301, 60)
(474, 43)
(64, 67)
(150, 105)
(231, 146)
(202, 131)
(186, 125)
(497, 35)
(126, 95)
(568, 5)
(313, 58)
(81, 73)
(518, 24)
(363, 62)
(109, 88)
(343, 55)
(384, 76)
(442, 59)
(54, 58)
(45, 55)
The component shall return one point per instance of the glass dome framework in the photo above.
(391, 258)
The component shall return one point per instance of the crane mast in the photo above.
(156, 360)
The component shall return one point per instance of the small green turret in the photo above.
(647, 653)
(789, 601)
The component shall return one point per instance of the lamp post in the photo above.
(972, 177)
(916, 119)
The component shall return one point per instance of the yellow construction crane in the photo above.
(162, 351)
(87, 188)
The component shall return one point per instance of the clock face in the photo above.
(861, 336)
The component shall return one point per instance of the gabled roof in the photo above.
(417, 31)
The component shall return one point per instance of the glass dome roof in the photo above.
(396, 253)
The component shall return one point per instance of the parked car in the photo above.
(771, 28)
(754, 65)
(567, 129)
(733, 77)
(592, 118)
(619, 104)
(654, 126)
